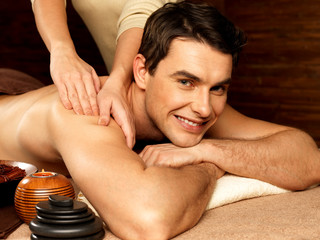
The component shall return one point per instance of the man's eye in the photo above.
(186, 83)
(218, 90)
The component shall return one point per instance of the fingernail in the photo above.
(101, 122)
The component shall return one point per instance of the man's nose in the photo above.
(202, 105)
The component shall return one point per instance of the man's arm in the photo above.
(280, 155)
(136, 202)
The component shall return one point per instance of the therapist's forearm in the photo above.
(51, 21)
(127, 48)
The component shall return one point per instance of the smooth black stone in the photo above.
(66, 216)
(60, 201)
(66, 231)
(46, 207)
(65, 221)
(97, 236)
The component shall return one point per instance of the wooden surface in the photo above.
(278, 78)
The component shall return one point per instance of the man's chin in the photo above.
(186, 142)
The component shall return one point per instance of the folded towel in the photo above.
(229, 188)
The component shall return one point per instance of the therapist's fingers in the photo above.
(92, 88)
(73, 96)
(112, 103)
(121, 115)
(104, 108)
(63, 94)
(125, 121)
(82, 95)
(88, 96)
(96, 80)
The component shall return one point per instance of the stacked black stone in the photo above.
(63, 218)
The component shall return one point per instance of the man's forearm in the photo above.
(289, 159)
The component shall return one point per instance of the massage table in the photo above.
(247, 210)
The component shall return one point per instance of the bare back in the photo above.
(25, 132)
(36, 128)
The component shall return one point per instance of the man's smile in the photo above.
(195, 126)
(190, 122)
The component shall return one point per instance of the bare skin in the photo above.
(154, 195)
(77, 82)
(62, 133)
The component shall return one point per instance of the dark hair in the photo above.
(195, 21)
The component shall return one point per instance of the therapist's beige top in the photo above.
(108, 19)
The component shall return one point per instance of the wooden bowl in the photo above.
(38, 187)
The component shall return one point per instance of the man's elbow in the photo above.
(143, 224)
(303, 182)
(152, 225)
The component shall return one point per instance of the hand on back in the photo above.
(78, 86)
(77, 82)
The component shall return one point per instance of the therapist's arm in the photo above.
(76, 80)
(118, 83)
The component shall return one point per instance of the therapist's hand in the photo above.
(77, 82)
(112, 100)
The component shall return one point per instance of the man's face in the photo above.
(188, 91)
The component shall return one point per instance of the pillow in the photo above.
(14, 82)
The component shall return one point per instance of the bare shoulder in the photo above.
(68, 128)
(234, 125)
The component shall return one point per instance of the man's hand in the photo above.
(170, 155)
(77, 82)
(112, 100)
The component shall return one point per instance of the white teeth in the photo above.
(188, 122)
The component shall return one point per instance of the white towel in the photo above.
(229, 189)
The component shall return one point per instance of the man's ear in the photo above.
(140, 71)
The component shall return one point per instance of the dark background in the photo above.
(278, 78)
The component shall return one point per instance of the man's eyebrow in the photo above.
(189, 75)
(186, 74)
(226, 81)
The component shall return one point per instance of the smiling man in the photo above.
(197, 90)
(182, 74)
